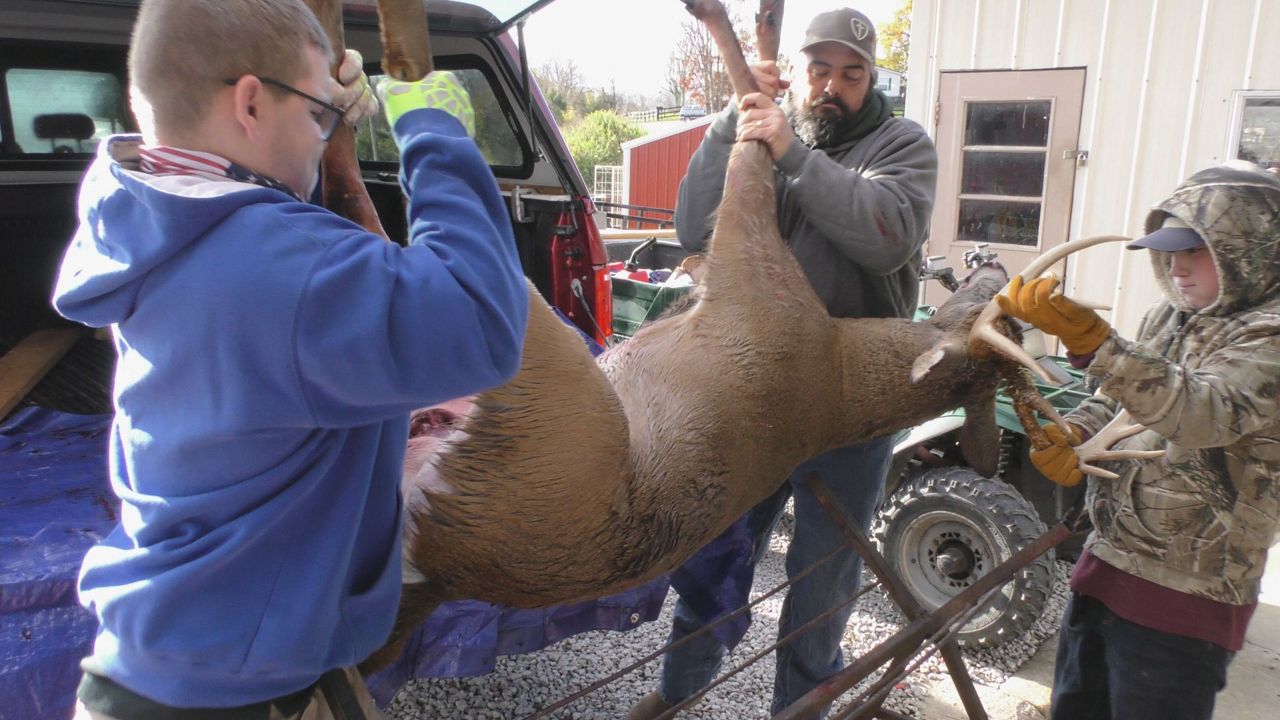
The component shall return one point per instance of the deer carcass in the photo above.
(542, 493)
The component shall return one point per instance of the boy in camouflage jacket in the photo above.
(1170, 575)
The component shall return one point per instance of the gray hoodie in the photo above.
(855, 215)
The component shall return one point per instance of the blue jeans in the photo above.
(1108, 667)
(855, 475)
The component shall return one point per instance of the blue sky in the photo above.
(629, 41)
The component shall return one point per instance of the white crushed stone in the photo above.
(521, 684)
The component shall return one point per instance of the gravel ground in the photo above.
(523, 683)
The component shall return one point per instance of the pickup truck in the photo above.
(63, 89)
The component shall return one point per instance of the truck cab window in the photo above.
(57, 111)
(495, 136)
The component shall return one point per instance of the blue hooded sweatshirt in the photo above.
(269, 354)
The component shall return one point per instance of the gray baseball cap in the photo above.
(1172, 236)
(845, 26)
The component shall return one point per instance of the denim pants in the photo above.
(1108, 667)
(855, 476)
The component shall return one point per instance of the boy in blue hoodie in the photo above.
(269, 355)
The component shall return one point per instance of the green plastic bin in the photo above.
(635, 303)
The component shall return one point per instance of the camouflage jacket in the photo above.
(1206, 385)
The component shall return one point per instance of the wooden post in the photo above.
(30, 360)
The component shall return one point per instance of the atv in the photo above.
(941, 524)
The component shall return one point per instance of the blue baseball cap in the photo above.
(1173, 236)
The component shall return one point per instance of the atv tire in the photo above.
(948, 527)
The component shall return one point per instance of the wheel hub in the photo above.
(955, 560)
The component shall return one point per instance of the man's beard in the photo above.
(819, 129)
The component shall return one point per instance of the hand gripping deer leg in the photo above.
(1098, 447)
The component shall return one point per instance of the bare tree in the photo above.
(672, 85)
(563, 87)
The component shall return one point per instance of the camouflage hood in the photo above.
(1236, 209)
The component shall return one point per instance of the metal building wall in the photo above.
(655, 164)
(1157, 106)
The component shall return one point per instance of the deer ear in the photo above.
(934, 355)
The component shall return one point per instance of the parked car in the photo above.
(692, 112)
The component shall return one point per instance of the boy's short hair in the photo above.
(182, 51)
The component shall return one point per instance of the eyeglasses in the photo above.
(328, 116)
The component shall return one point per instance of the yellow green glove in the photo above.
(1059, 461)
(1082, 330)
(440, 90)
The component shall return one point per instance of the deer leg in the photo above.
(769, 28)
(712, 14)
(406, 53)
(340, 180)
(747, 257)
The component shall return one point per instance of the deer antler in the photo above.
(1098, 447)
(984, 329)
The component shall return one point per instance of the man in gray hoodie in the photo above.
(855, 192)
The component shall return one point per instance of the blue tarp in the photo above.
(55, 503)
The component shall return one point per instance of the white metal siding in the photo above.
(1159, 83)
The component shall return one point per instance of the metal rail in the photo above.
(926, 633)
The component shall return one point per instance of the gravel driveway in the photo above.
(523, 683)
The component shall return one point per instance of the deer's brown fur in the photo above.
(580, 479)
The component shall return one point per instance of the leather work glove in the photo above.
(440, 90)
(1081, 330)
(351, 90)
(1059, 462)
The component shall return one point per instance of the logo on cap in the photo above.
(859, 28)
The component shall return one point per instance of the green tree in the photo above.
(597, 140)
(895, 40)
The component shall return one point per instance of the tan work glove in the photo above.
(351, 90)
(1082, 330)
(1059, 461)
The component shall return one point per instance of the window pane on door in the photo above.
(999, 221)
(1007, 123)
(1002, 173)
(1260, 131)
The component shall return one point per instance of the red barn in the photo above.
(653, 165)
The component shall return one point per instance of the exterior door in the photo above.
(1007, 154)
